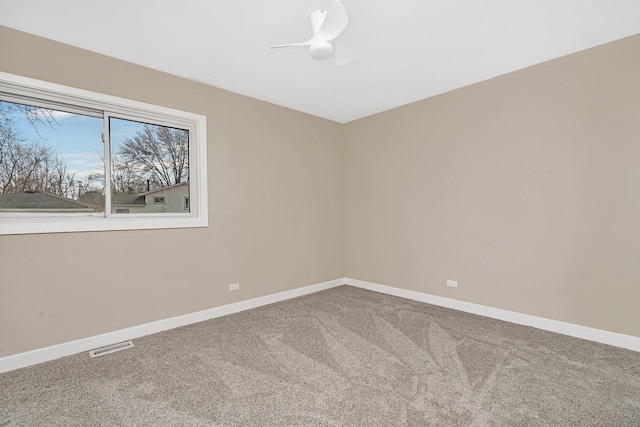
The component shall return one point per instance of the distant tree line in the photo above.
(153, 158)
(30, 165)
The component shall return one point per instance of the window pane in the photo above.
(149, 167)
(50, 160)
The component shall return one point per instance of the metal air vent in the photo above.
(110, 349)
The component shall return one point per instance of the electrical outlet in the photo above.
(452, 283)
(234, 287)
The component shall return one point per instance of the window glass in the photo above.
(149, 167)
(72, 160)
(51, 161)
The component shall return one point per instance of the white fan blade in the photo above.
(333, 24)
(317, 18)
(307, 43)
(342, 55)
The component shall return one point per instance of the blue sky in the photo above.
(77, 139)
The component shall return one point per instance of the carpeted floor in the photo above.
(344, 356)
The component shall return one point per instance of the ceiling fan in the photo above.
(327, 26)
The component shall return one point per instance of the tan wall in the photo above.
(275, 213)
(524, 188)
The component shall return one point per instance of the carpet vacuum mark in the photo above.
(340, 357)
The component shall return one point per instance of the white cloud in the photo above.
(60, 115)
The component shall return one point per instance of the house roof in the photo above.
(96, 199)
(164, 188)
(40, 200)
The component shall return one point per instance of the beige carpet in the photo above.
(344, 356)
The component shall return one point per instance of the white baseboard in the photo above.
(584, 332)
(33, 357)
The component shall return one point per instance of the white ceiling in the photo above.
(406, 50)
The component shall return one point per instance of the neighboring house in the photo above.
(39, 201)
(172, 199)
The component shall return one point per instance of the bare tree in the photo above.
(155, 157)
(33, 167)
(35, 116)
(156, 153)
(30, 166)
(125, 176)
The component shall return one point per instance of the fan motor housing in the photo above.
(321, 50)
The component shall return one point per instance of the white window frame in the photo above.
(24, 89)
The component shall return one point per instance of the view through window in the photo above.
(73, 160)
(53, 161)
(149, 167)
(48, 159)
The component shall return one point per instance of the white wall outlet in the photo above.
(234, 287)
(452, 283)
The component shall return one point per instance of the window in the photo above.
(73, 160)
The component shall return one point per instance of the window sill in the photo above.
(68, 224)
